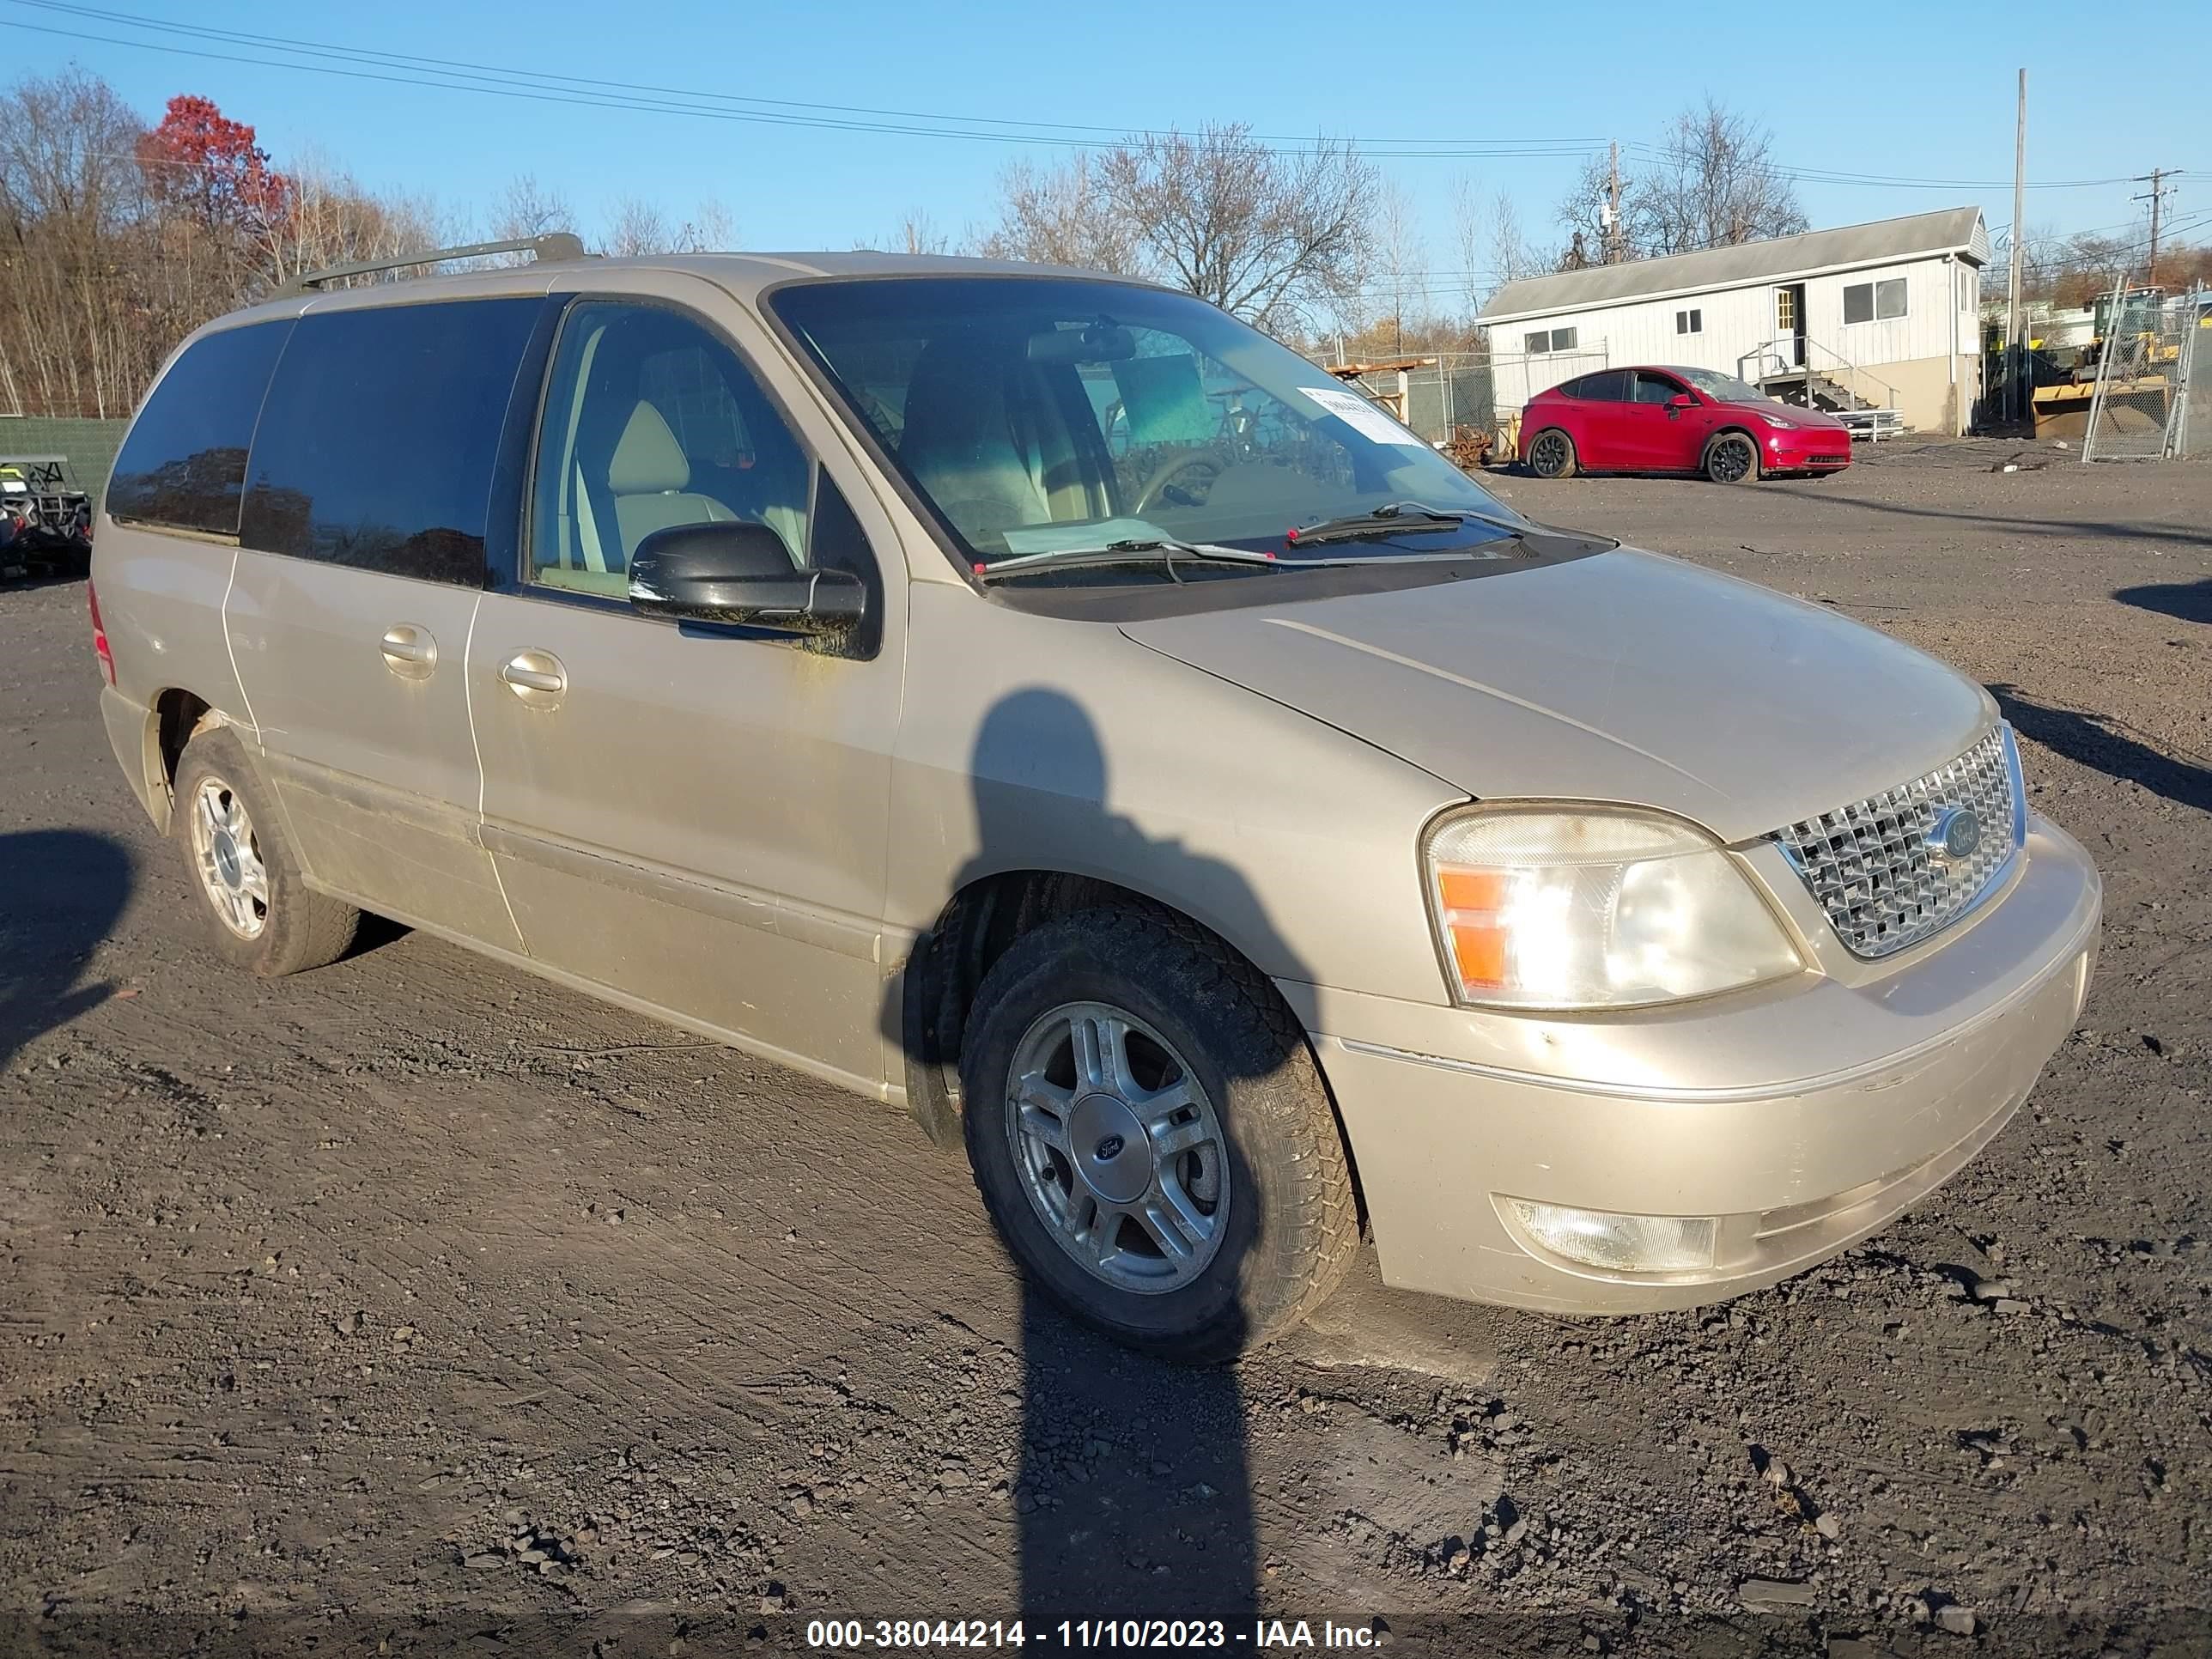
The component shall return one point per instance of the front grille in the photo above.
(1871, 866)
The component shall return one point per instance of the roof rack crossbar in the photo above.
(554, 245)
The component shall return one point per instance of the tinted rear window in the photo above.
(184, 463)
(1607, 387)
(379, 436)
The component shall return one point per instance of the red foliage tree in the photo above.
(201, 163)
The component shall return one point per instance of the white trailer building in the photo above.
(1876, 316)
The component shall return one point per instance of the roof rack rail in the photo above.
(553, 244)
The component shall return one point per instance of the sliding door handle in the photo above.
(409, 651)
(536, 676)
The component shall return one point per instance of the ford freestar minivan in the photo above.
(1040, 700)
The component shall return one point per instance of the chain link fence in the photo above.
(1458, 392)
(2154, 380)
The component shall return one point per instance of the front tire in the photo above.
(1732, 458)
(1551, 454)
(261, 915)
(1151, 1136)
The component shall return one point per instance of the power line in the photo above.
(1835, 176)
(453, 75)
(457, 75)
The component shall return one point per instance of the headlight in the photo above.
(1537, 908)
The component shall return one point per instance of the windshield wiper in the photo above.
(1164, 550)
(1398, 519)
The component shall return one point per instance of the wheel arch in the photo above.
(947, 964)
(174, 715)
(1735, 429)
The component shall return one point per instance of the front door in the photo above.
(694, 818)
(1660, 435)
(360, 564)
(1790, 325)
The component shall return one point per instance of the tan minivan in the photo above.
(1040, 701)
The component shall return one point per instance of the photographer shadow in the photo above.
(1133, 1497)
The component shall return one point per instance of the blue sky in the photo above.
(1918, 92)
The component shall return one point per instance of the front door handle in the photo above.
(409, 651)
(536, 676)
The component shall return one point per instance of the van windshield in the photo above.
(1045, 414)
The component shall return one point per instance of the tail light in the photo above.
(100, 635)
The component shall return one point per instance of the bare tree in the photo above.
(1470, 219)
(918, 234)
(1714, 184)
(711, 227)
(526, 209)
(1511, 257)
(1400, 282)
(1061, 216)
(334, 220)
(87, 306)
(638, 227)
(1273, 236)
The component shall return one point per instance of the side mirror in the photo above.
(739, 573)
(1681, 401)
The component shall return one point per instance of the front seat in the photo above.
(959, 440)
(649, 481)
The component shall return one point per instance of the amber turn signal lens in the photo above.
(1470, 900)
(1471, 889)
(1479, 952)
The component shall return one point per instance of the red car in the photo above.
(1675, 419)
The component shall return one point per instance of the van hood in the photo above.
(1623, 676)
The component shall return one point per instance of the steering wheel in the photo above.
(1210, 464)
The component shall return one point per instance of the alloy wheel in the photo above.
(1731, 460)
(229, 857)
(1118, 1146)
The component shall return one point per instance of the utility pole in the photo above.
(1615, 238)
(2155, 196)
(2015, 360)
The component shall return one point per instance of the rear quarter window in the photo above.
(1606, 386)
(183, 464)
(380, 434)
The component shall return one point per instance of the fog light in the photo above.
(1619, 1244)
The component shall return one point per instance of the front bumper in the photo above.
(1806, 452)
(1803, 1118)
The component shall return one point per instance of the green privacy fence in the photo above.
(90, 445)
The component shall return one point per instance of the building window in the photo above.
(1785, 309)
(1550, 339)
(1867, 302)
(1690, 322)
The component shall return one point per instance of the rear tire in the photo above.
(1175, 1178)
(1551, 454)
(1732, 458)
(261, 916)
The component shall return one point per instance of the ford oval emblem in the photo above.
(1955, 834)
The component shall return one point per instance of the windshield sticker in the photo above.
(1362, 417)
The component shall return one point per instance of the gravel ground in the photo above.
(415, 1306)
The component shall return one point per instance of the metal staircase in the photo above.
(1790, 370)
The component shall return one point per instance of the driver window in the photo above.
(652, 421)
(1655, 388)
